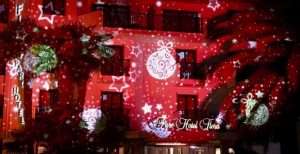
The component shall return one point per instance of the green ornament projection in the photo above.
(47, 58)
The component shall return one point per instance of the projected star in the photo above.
(133, 76)
(158, 3)
(147, 108)
(213, 4)
(45, 18)
(118, 79)
(236, 64)
(234, 41)
(79, 4)
(136, 51)
(21, 34)
(259, 94)
(15, 109)
(158, 106)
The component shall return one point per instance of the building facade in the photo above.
(157, 70)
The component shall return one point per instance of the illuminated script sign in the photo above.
(183, 124)
(17, 97)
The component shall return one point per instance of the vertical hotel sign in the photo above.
(17, 91)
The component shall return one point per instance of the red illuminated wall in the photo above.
(139, 88)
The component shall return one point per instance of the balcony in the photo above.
(196, 70)
(116, 67)
(117, 116)
(126, 19)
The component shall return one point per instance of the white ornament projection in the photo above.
(159, 132)
(161, 64)
(219, 119)
(90, 116)
(30, 61)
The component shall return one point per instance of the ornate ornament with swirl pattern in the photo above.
(161, 64)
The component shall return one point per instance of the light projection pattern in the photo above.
(213, 4)
(161, 64)
(90, 116)
(41, 17)
(159, 132)
(261, 115)
(116, 86)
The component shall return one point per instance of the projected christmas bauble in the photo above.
(161, 64)
(260, 117)
(90, 116)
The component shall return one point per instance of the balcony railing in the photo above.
(152, 21)
(117, 116)
(116, 67)
(196, 70)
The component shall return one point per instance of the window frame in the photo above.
(111, 103)
(193, 74)
(51, 99)
(122, 62)
(53, 11)
(186, 97)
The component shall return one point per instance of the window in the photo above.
(217, 150)
(187, 105)
(40, 150)
(114, 15)
(181, 21)
(4, 7)
(112, 100)
(56, 7)
(187, 63)
(48, 98)
(112, 108)
(115, 65)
